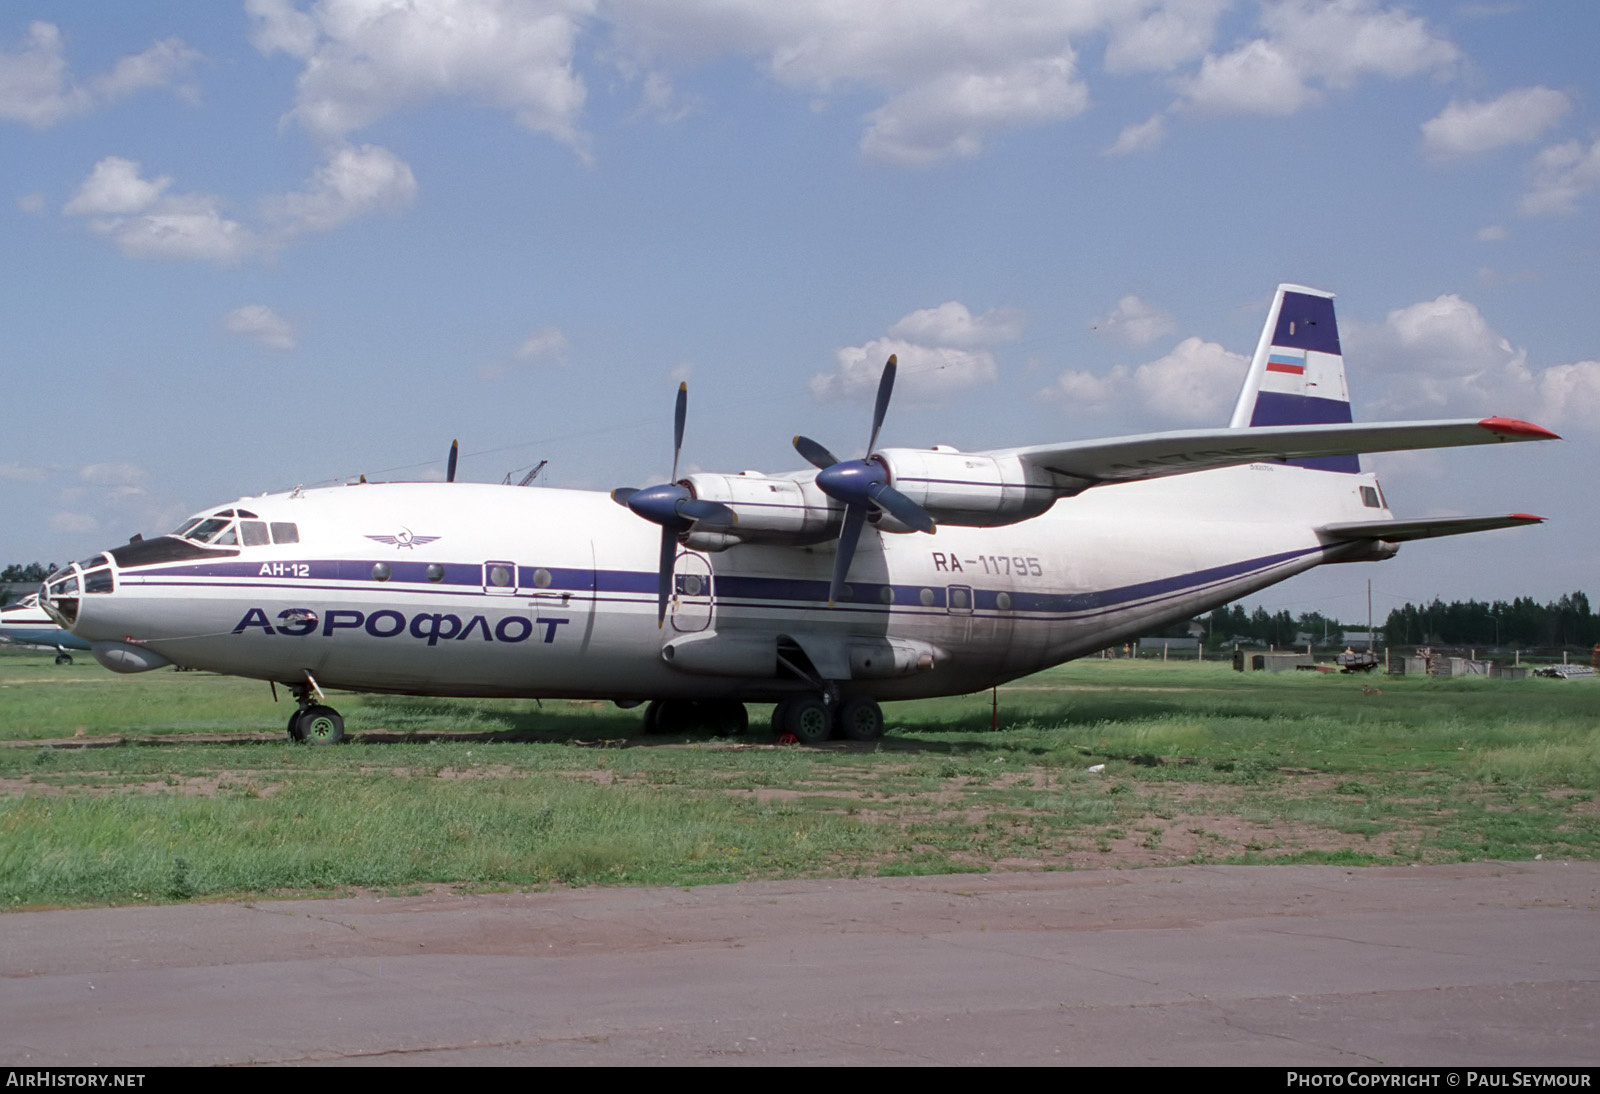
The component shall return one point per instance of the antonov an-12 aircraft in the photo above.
(912, 573)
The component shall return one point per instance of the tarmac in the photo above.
(1483, 964)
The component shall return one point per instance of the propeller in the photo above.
(672, 505)
(450, 468)
(861, 484)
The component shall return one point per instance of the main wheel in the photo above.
(860, 719)
(317, 726)
(652, 718)
(63, 658)
(725, 717)
(808, 718)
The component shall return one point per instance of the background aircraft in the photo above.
(26, 624)
(909, 573)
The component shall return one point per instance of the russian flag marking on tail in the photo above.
(1286, 360)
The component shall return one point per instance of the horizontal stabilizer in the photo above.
(1399, 531)
(1077, 465)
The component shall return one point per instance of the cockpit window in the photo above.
(206, 529)
(283, 532)
(186, 525)
(254, 533)
(91, 563)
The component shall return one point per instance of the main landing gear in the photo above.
(721, 717)
(314, 724)
(812, 719)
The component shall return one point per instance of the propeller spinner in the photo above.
(861, 484)
(672, 505)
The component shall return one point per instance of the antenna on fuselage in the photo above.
(450, 468)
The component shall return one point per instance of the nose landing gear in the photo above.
(313, 723)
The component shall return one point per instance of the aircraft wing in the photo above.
(1077, 465)
(1399, 531)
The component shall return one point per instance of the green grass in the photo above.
(190, 791)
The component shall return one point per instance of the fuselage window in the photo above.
(254, 533)
(285, 533)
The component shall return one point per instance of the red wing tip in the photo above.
(1528, 516)
(1516, 427)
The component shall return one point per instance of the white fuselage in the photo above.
(478, 590)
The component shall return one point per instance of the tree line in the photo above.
(33, 571)
(1520, 623)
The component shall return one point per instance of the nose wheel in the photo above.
(316, 726)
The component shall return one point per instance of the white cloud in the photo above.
(1562, 174)
(951, 72)
(32, 204)
(544, 342)
(1195, 384)
(115, 187)
(1312, 47)
(1441, 356)
(352, 183)
(145, 221)
(12, 471)
(1134, 322)
(112, 474)
(1517, 117)
(145, 218)
(69, 523)
(261, 323)
(952, 324)
(925, 372)
(1160, 40)
(366, 59)
(37, 88)
(940, 350)
(1492, 233)
(1140, 136)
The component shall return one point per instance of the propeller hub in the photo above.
(852, 481)
(659, 505)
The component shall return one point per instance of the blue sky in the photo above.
(265, 244)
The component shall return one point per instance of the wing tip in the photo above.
(1528, 518)
(1516, 427)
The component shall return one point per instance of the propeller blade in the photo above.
(712, 514)
(450, 468)
(854, 518)
(678, 417)
(669, 555)
(902, 509)
(814, 453)
(885, 389)
(622, 493)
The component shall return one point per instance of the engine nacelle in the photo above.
(770, 509)
(969, 489)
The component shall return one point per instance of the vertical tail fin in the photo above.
(1297, 375)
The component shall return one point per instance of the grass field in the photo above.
(173, 786)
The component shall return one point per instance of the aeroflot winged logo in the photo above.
(404, 538)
